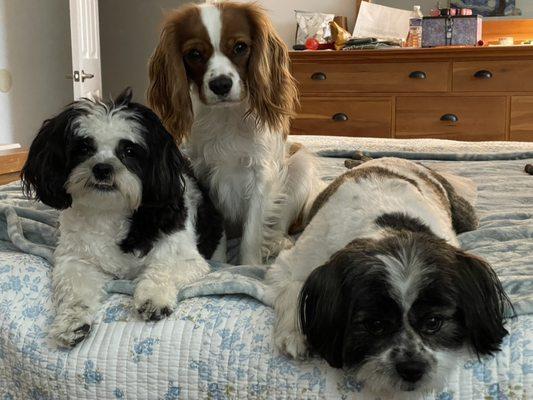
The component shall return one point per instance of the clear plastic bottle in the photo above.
(414, 38)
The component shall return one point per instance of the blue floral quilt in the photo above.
(220, 347)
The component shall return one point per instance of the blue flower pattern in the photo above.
(91, 376)
(232, 334)
(143, 348)
(173, 392)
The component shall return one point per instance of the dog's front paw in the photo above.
(292, 344)
(71, 326)
(154, 301)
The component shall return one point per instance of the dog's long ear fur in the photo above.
(168, 92)
(482, 301)
(162, 208)
(323, 312)
(163, 182)
(272, 88)
(45, 172)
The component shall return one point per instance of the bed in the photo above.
(220, 346)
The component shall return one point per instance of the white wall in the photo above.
(35, 49)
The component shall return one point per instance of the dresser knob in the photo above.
(483, 74)
(318, 76)
(339, 117)
(418, 75)
(449, 118)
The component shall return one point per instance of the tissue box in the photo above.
(460, 30)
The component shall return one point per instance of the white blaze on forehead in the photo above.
(107, 128)
(212, 20)
(405, 275)
(218, 64)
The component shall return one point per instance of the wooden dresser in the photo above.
(472, 94)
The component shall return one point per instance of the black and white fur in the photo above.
(131, 209)
(377, 282)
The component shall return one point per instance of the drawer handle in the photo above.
(318, 76)
(449, 118)
(339, 117)
(418, 75)
(483, 74)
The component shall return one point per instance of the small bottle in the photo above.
(414, 38)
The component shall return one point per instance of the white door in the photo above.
(85, 38)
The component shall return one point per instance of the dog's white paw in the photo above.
(154, 301)
(71, 325)
(292, 344)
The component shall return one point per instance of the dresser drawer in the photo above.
(522, 118)
(346, 116)
(447, 117)
(371, 77)
(493, 76)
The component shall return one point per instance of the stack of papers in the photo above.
(381, 22)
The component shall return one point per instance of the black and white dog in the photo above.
(377, 282)
(131, 209)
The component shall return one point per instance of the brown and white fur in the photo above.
(220, 80)
(377, 282)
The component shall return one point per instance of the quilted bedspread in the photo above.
(220, 347)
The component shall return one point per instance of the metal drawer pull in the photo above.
(483, 74)
(449, 118)
(318, 76)
(339, 117)
(418, 75)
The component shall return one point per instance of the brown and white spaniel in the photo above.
(220, 80)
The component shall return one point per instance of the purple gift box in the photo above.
(459, 30)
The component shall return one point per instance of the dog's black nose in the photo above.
(221, 85)
(411, 371)
(102, 171)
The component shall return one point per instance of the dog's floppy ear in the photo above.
(162, 207)
(45, 172)
(323, 312)
(482, 302)
(168, 92)
(163, 182)
(272, 88)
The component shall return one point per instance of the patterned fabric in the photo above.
(220, 347)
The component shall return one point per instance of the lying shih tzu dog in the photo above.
(378, 284)
(131, 209)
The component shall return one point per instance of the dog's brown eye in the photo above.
(240, 48)
(84, 148)
(128, 151)
(432, 324)
(194, 55)
(376, 326)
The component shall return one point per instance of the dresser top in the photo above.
(438, 53)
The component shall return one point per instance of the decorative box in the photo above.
(459, 30)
